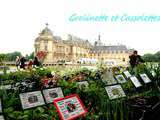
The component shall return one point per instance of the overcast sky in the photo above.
(22, 20)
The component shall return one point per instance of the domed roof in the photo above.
(46, 31)
(45, 34)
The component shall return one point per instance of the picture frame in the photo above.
(127, 74)
(145, 78)
(83, 85)
(135, 81)
(70, 107)
(31, 99)
(108, 78)
(120, 79)
(115, 92)
(52, 94)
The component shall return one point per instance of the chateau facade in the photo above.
(73, 49)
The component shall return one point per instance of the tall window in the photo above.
(46, 48)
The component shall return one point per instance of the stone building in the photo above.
(74, 48)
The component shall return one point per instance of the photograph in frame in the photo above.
(52, 94)
(145, 78)
(127, 74)
(108, 78)
(70, 107)
(120, 79)
(31, 99)
(115, 92)
(135, 81)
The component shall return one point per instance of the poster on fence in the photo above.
(52, 94)
(145, 78)
(31, 99)
(115, 92)
(70, 107)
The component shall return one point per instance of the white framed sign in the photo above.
(70, 107)
(52, 94)
(83, 84)
(115, 92)
(109, 81)
(127, 74)
(145, 78)
(120, 78)
(135, 81)
(31, 99)
(108, 78)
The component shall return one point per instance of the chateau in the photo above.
(74, 49)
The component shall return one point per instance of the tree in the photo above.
(152, 57)
(2, 58)
(12, 56)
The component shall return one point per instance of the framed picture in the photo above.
(1, 117)
(145, 78)
(0, 105)
(31, 99)
(108, 78)
(115, 92)
(83, 84)
(120, 79)
(135, 81)
(70, 107)
(127, 74)
(52, 94)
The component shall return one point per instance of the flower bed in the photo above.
(94, 96)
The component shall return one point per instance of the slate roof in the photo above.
(109, 48)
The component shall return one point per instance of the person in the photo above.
(135, 60)
(22, 62)
(17, 61)
(30, 63)
(36, 62)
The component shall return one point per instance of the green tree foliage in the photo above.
(12, 56)
(152, 57)
(2, 58)
(31, 56)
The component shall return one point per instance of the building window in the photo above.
(116, 51)
(45, 48)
